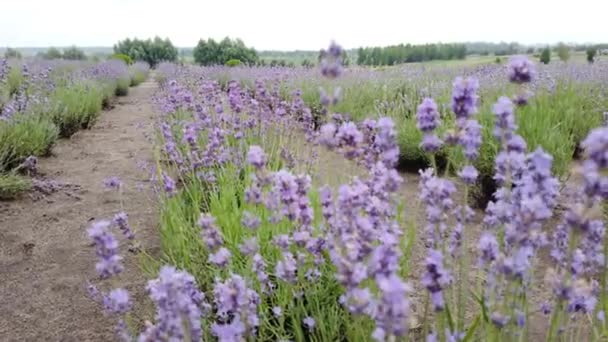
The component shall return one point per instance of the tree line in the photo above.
(397, 54)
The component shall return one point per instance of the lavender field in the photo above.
(419, 195)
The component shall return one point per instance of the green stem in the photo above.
(462, 275)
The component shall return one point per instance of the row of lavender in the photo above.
(253, 251)
(562, 104)
(43, 100)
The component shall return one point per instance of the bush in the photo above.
(122, 87)
(12, 53)
(76, 107)
(591, 52)
(563, 52)
(139, 72)
(12, 185)
(128, 60)
(23, 136)
(52, 53)
(545, 56)
(233, 62)
(74, 54)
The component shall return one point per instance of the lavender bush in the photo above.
(259, 252)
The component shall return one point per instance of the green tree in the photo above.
(307, 64)
(209, 52)
(152, 51)
(73, 53)
(563, 52)
(52, 53)
(591, 52)
(12, 53)
(545, 56)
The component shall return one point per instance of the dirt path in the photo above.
(45, 254)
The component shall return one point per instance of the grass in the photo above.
(122, 86)
(12, 185)
(75, 107)
(23, 136)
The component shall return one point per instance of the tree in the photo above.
(209, 52)
(591, 52)
(307, 64)
(563, 51)
(73, 53)
(545, 56)
(52, 53)
(12, 53)
(152, 51)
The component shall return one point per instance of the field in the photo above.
(439, 201)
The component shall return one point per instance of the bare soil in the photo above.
(45, 253)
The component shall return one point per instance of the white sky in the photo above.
(303, 24)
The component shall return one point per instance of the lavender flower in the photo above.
(436, 278)
(209, 232)
(256, 157)
(468, 174)
(234, 299)
(106, 248)
(331, 61)
(112, 183)
(309, 323)
(117, 301)
(427, 116)
(220, 258)
(464, 97)
(521, 70)
(169, 185)
(393, 309)
(179, 306)
(121, 220)
(431, 143)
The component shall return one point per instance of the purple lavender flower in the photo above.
(112, 183)
(286, 268)
(521, 70)
(468, 174)
(29, 165)
(596, 146)
(179, 306)
(117, 301)
(464, 97)
(331, 61)
(436, 278)
(220, 258)
(106, 248)
(427, 116)
(327, 135)
(470, 139)
(232, 332)
(249, 246)
(277, 311)
(169, 185)
(250, 220)
(504, 118)
(256, 157)
(234, 299)
(210, 234)
(393, 309)
(121, 220)
(309, 323)
(488, 248)
(431, 143)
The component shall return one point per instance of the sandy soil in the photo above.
(45, 254)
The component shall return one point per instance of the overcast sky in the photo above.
(303, 24)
